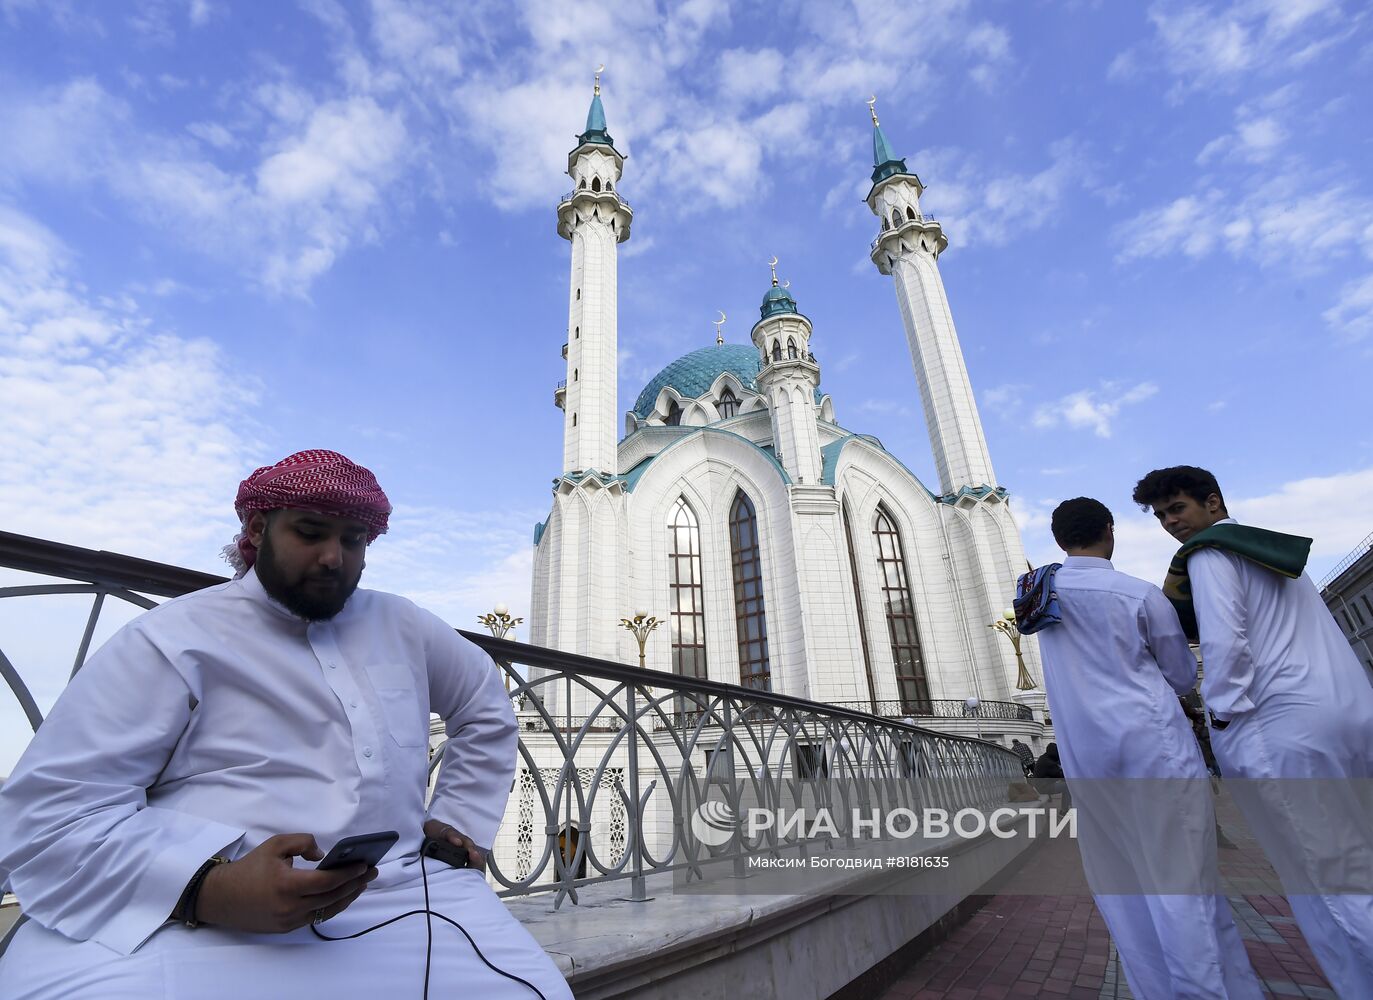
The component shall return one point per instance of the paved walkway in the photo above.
(1057, 946)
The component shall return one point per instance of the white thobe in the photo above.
(1113, 670)
(1298, 705)
(220, 719)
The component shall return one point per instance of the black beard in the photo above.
(296, 598)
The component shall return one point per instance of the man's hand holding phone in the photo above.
(262, 892)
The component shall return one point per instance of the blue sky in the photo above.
(230, 231)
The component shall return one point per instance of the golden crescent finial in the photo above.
(872, 108)
(599, 70)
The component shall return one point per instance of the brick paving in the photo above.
(1058, 947)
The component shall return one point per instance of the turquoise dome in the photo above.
(777, 300)
(693, 374)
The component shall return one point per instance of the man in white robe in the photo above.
(1287, 699)
(1114, 665)
(259, 721)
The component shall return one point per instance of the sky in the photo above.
(232, 231)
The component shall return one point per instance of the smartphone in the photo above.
(365, 848)
(454, 857)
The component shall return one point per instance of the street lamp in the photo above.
(498, 620)
(640, 626)
(1006, 626)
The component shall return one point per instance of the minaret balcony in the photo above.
(583, 203)
(560, 394)
(564, 352)
(916, 228)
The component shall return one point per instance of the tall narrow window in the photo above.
(858, 600)
(728, 404)
(791, 349)
(595, 183)
(776, 351)
(896, 595)
(674, 414)
(749, 615)
(686, 601)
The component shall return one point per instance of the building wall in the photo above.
(1349, 596)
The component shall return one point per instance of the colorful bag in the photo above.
(1036, 601)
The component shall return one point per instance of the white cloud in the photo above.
(317, 189)
(750, 75)
(1352, 315)
(1208, 44)
(977, 206)
(1090, 408)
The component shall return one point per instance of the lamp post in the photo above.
(499, 622)
(640, 626)
(1006, 626)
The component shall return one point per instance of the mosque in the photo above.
(782, 550)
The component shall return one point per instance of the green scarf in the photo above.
(1283, 554)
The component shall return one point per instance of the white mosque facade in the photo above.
(782, 550)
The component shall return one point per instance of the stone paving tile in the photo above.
(1056, 947)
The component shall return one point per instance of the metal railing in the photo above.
(605, 795)
(944, 708)
(1354, 556)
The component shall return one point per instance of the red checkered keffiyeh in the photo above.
(324, 482)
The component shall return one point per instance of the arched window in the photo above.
(577, 335)
(896, 597)
(728, 406)
(776, 351)
(608, 187)
(895, 219)
(749, 616)
(574, 420)
(574, 374)
(582, 185)
(674, 414)
(910, 212)
(595, 183)
(858, 601)
(791, 349)
(579, 295)
(686, 602)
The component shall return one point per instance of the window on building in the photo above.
(895, 219)
(749, 615)
(674, 414)
(728, 406)
(595, 183)
(791, 349)
(810, 762)
(911, 683)
(910, 212)
(1367, 605)
(569, 839)
(576, 333)
(574, 374)
(776, 351)
(686, 595)
(719, 766)
(579, 295)
(574, 420)
(1358, 615)
(858, 601)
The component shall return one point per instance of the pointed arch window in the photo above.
(910, 212)
(895, 219)
(595, 183)
(911, 683)
(776, 351)
(749, 615)
(791, 349)
(674, 414)
(686, 595)
(728, 406)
